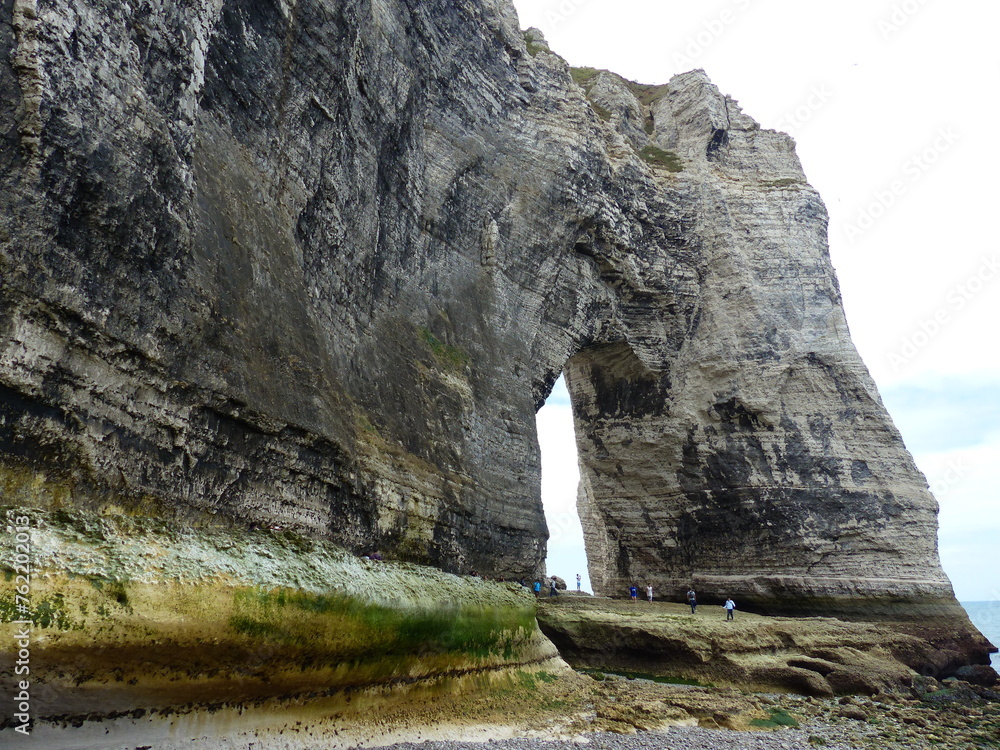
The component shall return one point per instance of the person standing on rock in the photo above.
(730, 605)
(552, 588)
(692, 599)
(538, 589)
(649, 592)
(633, 592)
(579, 582)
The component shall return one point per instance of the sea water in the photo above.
(986, 617)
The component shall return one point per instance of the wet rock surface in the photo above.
(805, 723)
(317, 264)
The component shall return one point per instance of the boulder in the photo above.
(978, 674)
(853, 712)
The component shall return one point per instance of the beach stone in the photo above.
(853, 712)
(978, 674)
(954, 692)
(922, 684)
(987, 694)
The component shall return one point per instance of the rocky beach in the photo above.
(194, 634)
(283, 285)
(818, 656)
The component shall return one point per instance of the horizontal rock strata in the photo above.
(316, 264)
(138, 615)
(818, 656)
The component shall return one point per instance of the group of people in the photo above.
(552, 584)
(536, 587)
(634, 593)
(692, 599)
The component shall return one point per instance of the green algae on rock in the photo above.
(184, 614)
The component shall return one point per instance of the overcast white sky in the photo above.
(891, 103)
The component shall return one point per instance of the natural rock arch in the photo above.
(282, 278)
(714, 493)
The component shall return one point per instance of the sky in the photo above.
(889, 103)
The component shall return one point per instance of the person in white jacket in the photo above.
(730, 605)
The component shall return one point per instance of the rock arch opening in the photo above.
(566, 555)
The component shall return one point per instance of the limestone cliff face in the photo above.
(756, 456)
(317, 263)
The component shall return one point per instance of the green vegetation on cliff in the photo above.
(659, 158)
(451, 356)
(360, 630)
(583, 77)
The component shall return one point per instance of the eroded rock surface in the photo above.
(818, 656)
(136, 614)
(317, 264)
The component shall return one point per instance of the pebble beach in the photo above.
(955, 720)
